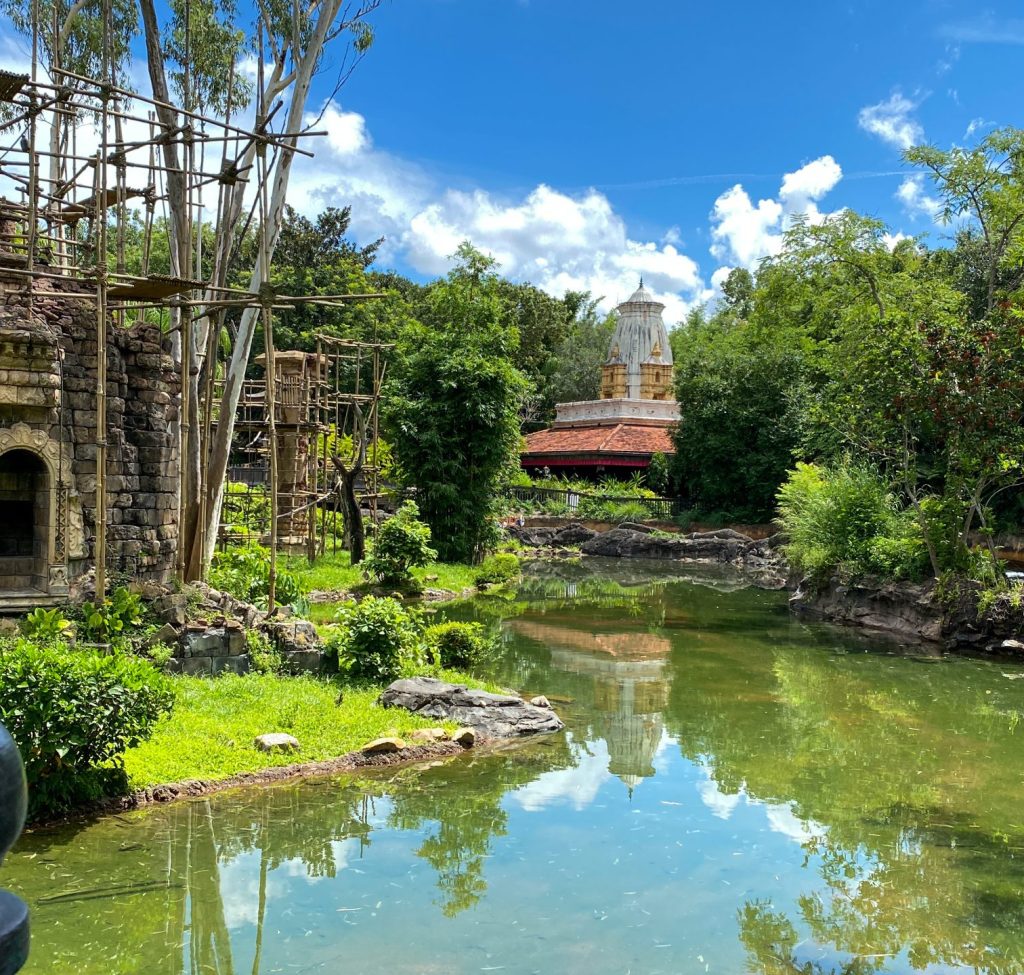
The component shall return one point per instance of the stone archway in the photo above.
(36, 501)
(25, 523)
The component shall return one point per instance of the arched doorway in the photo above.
(24, 522)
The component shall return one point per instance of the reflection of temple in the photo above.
(627, 674)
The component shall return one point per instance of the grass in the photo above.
(334, 572)
(209, 734)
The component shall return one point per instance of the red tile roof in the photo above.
(623, 438)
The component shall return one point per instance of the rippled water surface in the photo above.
(735, 791)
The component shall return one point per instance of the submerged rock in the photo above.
(489, 715)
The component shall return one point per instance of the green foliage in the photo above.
(738, 388)
(458, 644)
(844, 519)
(453, 409)
(111, 619)
(263, 654)
(377, 639)
(402, 544)
(73, 713)
(245, 573)
(45, 625)
(658, 474)
(160, 654)
(500, 569)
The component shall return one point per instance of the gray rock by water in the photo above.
(489, 715)
(276, 741)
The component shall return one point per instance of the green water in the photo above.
(735, 791)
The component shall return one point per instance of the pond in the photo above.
(735, 791)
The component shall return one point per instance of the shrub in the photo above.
(402, 544)
(844, 519)
(160, 654)
(245, 573)
(501, 569)
(73, 713)
(377, 639)
(45, 625)
(457, 644)
(107, 621)
(658, 474)
(263, 654)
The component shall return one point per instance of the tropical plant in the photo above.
(109, 619)
(456, 644)
(45, 624)
(73, 713)
(376, 639)
(402, 544)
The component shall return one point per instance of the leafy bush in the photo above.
(106, 621)
(844, 519)
(160, 654)
(263, 654)
(500, 569)
(376, 639)
(245, 573)
(73, 713)
(45, 624)
(457, 644)
(402, 543)
(658, 474)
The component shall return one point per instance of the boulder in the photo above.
(276, 741)
(383, 746)
(489, 715)
(574, 534)
(466, 737)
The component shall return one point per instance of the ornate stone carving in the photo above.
(58, 578)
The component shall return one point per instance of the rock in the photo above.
(291, 636)
(276, 741)
(303, 661)
(574, 534)
(466, 737)
(489, 715)
(383, 746)
(540, 701)
(430, 734)
(1012, 646)
(532, 537)
(430, 578)
(166, 634)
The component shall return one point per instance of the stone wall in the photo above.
(48, 405)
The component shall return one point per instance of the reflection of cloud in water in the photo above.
(720, 804)
(577, 787)
(240, 890)
(780, 815)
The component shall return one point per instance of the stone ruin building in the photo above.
(48, 443)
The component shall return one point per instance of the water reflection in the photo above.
(734, 791)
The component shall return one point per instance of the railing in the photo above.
(585, 504)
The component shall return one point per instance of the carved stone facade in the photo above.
(48, 437)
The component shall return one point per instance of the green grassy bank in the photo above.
(209, 733)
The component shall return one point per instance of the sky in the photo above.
(587, 143)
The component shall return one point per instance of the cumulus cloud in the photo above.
(555, 240)
(891, 120)
(743, 233)
(915, 199)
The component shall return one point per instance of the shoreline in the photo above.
(166, 793)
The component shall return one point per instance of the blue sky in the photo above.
(588, 142)
(544, 129)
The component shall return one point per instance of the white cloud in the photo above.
(975, 125)
(891, 121)
(553, 239)
(744, 233)
(577, 787)
(891, 240)
(915, 199)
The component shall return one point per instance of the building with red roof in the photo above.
(618, 433)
